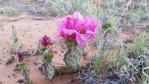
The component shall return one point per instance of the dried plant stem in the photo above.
(127, 5)
(147, 76)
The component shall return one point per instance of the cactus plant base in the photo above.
(65, 61)
(48, 71)
(68, 69)
(71, 59)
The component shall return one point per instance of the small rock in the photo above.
(36, 62)
(128, 41)
(26, 53)
(62, 51)
(20, 81)
(9, 76)
(55, 52)
(40, 67)
(10, 60)
(17, 68)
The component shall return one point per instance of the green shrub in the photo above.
(8, 11)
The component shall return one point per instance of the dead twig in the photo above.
(32, 18)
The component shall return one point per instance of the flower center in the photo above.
(83, 31)
(70, 38)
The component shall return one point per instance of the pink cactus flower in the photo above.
(87, 30)
(66, 28)
(20, 56)
(78, 29)
(45, 41)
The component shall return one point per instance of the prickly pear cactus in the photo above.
(47, 67)
(47, 56)
(71, 58)
(15, 45)
(48, 71)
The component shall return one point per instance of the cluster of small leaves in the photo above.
(136, 65)
(139, 63)
(88, 76)
(114, 77)
(106, 25)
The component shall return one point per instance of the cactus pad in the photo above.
(48, 71)
(71, 58)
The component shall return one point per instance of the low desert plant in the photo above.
(140, 43)
(15, 46)
(87, 75)
(23, 67)
(100, 62)
(9, 11)
(76, 31)
(62, 7)
(88, 8)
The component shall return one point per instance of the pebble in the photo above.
(10, 60)
(26, 53)
(20, 81)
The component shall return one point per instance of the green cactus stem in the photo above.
(25, 72)
(47, 68)
(15, 45)
(71, 58)
(47, 56)
(48, 71)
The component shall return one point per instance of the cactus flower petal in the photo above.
(90, 23)
(20, 56)
(45, 41)
(79, 29)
